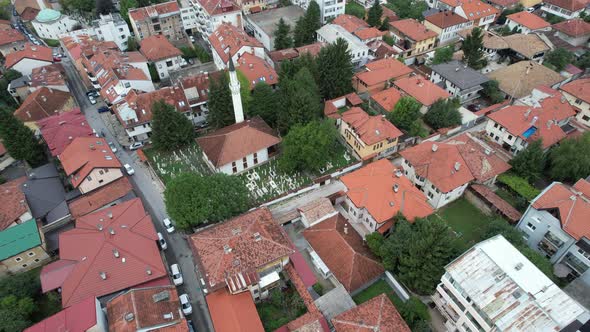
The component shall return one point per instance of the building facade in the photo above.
(50, 24)
(329, 9)
(359, 52)
(212, 14)
(160, 19)
(112, 27)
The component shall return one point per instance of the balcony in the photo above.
(550, 244)
(444, 308)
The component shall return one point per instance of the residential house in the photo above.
(379, 49)
(19, 88)
(368, 136)
(555, 226)
(316, 211)
(379, 75)
(385, 100)
(112, 27)
(85, 316)
(22, 248)
(359, 28)
(257, 70)
(444, 170)
(50, 76)
(333, 107)
(145, 309)
(196, 90)
(544, 117)
(519, 79)
(214, 13)
(566, 9)
(359, 52)
(30, 57)
(292, 53)
(577, 94)
(29, 13)
(263, 25)
(376, 193)
(50, 24)
(233, 312)
(21, 5)
(162, 54)
(532, 46)
(158, 19)
(135, 113)
(458, 79)
(90, 164)
(446, 24)
(421, 89)
(575, 32)
(14, 208)
(481, 14)
(229, 41)
(43, 103)
(59, 130)
(344, 252)
(525, 23)
(253, 239)
(109, 251)
(494, 287)
(11, 40)
(377, 314)
(329, 9)
(413, 37)
(114, 193)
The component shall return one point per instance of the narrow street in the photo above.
(151, 192)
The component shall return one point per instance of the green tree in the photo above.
(22, 285)
(502, 18)
(415, 313)
(265, 103)
(570, 161)
(408, 8)
(491, 90)
(80, 6)
(374, 15)
(301, 101)
(19, 140)
(406, 115)
(154, 72)
(285, 3)
(388, 39)
(473, 54)
(283, 37)
(443, 54)
(375, 241)
(192, 199)
(12, 74)
(125, 5)
(335, 68)
(385, 25)
(104, 6)
(307, 25)
(309, 147)
(444, 113)
(584, 61)
(15, 313)
(132, 44)
(502, 227)
(245, 92)
(355, 9)
(221, 110)
(289, 69)
(530, 162)
(170, 129)
(559, 58)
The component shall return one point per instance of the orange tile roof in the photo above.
(573, 204)
(387, 98)
(345, 253)
(349, 100)
(233, 313)
(85, 154)
(246, 253)
(369, 33)
(218, 7)
(377, 314)
(370, 129)
(413, 29)
(579, 88)
(142, 13)
(575, 27)
(529, 20)
(53, 74)
(371, 187)
(29, 14)
(256, 70)
(11, 36)
(504, 208)
(383, 70)
(13, 202)
(421, 89)
(40, 53)
(199, 84)
(350, 23)
(445, 19)
(475, 9)
(42, 103)
(156, 48)
(227, 40)
(571, 5)
(100, 197)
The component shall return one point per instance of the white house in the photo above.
(480, 13)
(525, 23)
(446, 24)
(229, 41)
(112, 27)
(567, 9)
(329, 33)
(212, 14)
(329, 9)
(578, 95)
(458, 79)
(189, 17)
(165, 57)
(50, 24)
(29, 58)
(264, 24)
(575, 32)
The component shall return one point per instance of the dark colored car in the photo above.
(473, 107)
(103, 109)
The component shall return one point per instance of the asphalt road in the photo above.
(150, 191)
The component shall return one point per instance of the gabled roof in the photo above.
(377, 314)
(11, 36)
(161, 9)
(571, 5)
(59, 130)
(236, 141)
(113, 248)
(344, 252)
(579, 88)
(528, 45)
(53, 74)
(233, 313)
(529, 20)
(350, 23)
(446, 19)
(383, 70)
(40, 53)
(475, 9)
(230, 253)
(19, 238)
(100, 197)
(227, 40)
(371, 187)
(257, 70)
(519, 79)
(413, 29)
(331, 106)
(13, 202)
(460, 74)
(76, 318)
(218, 7)
(157, 47)
(575, 27)
(42, 103)
(196, 88)
(387, 98)
(370, 129)
(45, 193)
(424, 91)
(573, 204)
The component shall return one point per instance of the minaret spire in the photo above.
(234, 87)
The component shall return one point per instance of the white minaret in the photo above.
(234, 87)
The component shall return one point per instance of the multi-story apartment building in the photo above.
(160, 19)
(481, 14)
(213, 13)
(413, 37)
(189, 17)
(165, 57)
(112, 27)
(329, 9)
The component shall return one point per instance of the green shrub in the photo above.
(318, 288)
(519, 185)
(51, 42)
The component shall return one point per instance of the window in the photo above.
(31, 254)
(101, 172)
(430, 195)
(234, 167)
(127, 84)
(255, 158)
(18, 259)
(578, 101)
(531, 226)
(88, 178)
(37, 260)
(585, 118)
(169, 63)
(245, 162)
(25, 265)
(509, 137)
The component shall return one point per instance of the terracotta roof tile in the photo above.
(42, 103)
(156, 48)
(217, 7)
(421, 89)
(196, 88)
(528, 45)
(78, 317)
(142, 13)
(571, 5)
(377, 314)
(369, 33)
(53, 74)
(370, 129)
(11, 36)
(350, 23)
(29, 14)
(317, 209)
(529, 20)
(292, 53)
(504, 207)
(446, 19)
(512, 82)
(233, 313)
(383, 70)
(413, 29)
(60, 129)
(387, 98)
(371, 187)
(256, 70)
(475, 9)
(13, 202)
(579, 88)
(575, 27)
(100, 197)
(40, 53)
(227, 40)
(331, 106)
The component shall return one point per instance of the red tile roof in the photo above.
(40, 53)
(571, 5)
(11, 36)
(381, 49)
(142, 13)
(573, 204)
(29, 14)
(124, 230)
(196, 88)
(370, 129)
(529, 20)
(233, 313)
(371, 187)
(83, 155)
(421, 89)
(53, 74)
(231, 249)
(446, 19)
(42, 103)
(156, 48)
(147, 313)
(383, 70)
(579, 88)
(13, 202)
(79, 317)
(256, 69)
(227, 40)
(413, 29)
(218, 7)
(369, 33)
(507, 210)
(575, 27)
(236, 141)
(100, 197)
(350, 23)
(344, 252)
(475, 9)
(303, 269)
(387, 98)
(377, 314)
(53, 275)
(60, 129)
(390, 14)
(349, 100)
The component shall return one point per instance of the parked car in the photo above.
(192, 38)
(103, 109)
(112, 146)
(92, 100)
(203, 124)
(135, 146)
(56, 59)
(168, 225)
(176, 275)
(93, 93)
(129, 169)
(191, 328)
(473, 107)
(161, 242)
(530, 9)
(185, 303)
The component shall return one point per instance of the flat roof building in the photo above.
(264, 24)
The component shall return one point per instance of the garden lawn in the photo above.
(379, 287)
(277, 311)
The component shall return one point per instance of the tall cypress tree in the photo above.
(171, 129)
(307, 25)
(374, 15)
(265, 103)
(473, 54)
(221, 110)
(301, 100)
(19, 140)
(283, 38)
(335, 70)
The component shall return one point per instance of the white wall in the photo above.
(262, 156)
(26, 65)
(164, 67)
(119, 34)
(500, 135)
(52, 30)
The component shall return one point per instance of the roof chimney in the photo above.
(398, 173)
(346, 229)
(110, 215)
(169, 316)
(434, 147)
(112, 231)
(129, 317)
(226, 249)
(395, 187)
(527, 113)
(99, 226)
(116, 253)
(148, 271)
(457, 166)
(535, 118)
(103, 275)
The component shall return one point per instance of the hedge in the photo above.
(519, 185)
